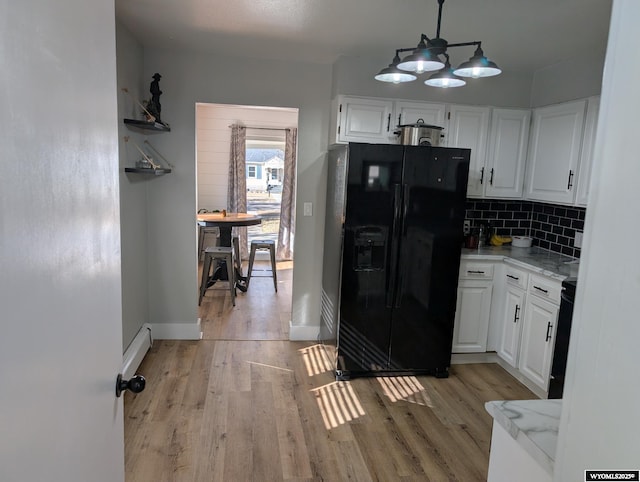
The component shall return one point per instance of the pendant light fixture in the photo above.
(425, 57)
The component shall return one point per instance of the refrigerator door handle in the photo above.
(400, 277)
(395, 226)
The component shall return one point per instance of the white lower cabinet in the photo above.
(530, 305)
(511, 323)
(473, 307)
(472, 316)
(538, 337)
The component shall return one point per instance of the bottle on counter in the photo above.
(482, 236)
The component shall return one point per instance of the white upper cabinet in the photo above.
(554, 152)
(360, 119)
(412, 112)
(468, 128)
(507, 155)
(586, 156)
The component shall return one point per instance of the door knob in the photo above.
(136, 384)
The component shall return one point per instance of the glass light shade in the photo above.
(394, 75)
(420, 61)
(478, 66)
(444, 79)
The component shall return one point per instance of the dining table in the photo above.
(225, 222)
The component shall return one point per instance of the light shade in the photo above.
(393, 74)
(421, 60)
(445, 78)
(478, 66)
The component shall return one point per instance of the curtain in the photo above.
(237, 194)
(287, 228)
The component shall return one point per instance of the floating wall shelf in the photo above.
(148, 126)
(155, 172)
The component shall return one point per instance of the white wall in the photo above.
(188, 78)
(600, 422)
(355, 76)
(133, 188)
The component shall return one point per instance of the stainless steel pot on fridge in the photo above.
(419, 134)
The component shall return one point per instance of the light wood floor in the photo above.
(245, 404)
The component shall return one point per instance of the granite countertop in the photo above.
(533, 424)
(547, 263)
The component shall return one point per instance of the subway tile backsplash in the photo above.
(551, 226)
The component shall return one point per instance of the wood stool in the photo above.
(217, 253)
(263, 244)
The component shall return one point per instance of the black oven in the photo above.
(563, 330)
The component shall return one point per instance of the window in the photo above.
(251, 171)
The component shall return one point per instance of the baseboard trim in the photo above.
(515, 373)
(462, 358)
(177, 331)
(136, 351)
(303, 333)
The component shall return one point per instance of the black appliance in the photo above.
(393, 236)
(561, 350)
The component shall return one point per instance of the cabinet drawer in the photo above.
(476, 270)
(545, 288)
(516, 277)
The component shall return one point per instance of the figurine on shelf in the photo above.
(153, 106)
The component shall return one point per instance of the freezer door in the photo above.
(372, 202)
(434, 195)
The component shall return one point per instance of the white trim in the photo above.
(177, 331)
(136, 351)
(515, 373)
(462, 358)
(303, 333)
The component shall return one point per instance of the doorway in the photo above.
(265, 149)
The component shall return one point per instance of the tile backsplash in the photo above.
(551, 226)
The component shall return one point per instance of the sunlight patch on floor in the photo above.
(408, 389)
(316, 360)
(338, 404)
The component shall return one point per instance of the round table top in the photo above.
(233, 219)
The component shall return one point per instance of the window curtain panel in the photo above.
(287, 228)
(237, 194)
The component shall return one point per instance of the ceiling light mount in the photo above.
(425, 57)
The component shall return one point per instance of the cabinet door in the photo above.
(586, 156)
(554, 152)
(508, 140)
(468, 128)
(411, 112)
(472, 316)
(511, 322)
(538, 335)
(364, 120)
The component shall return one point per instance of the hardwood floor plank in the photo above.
(266, 452)
(239, 455)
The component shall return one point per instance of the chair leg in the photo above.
(252, 256)
(206, 267)
(272, 254)
(231, 277)
(200, 241)
(236, 253)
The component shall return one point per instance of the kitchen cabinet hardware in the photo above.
(516, 315)
(570, 184)
(491, 178)
(474, 272)
(481, 175)
(513, 277)
(541, 289)
(388, 122)
(549, 325)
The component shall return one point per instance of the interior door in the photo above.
(60, 282)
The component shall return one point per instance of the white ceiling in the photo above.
(519, 35)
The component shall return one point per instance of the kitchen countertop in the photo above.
(547, 263)
(533, 424)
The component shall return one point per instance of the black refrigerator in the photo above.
(393, 236)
